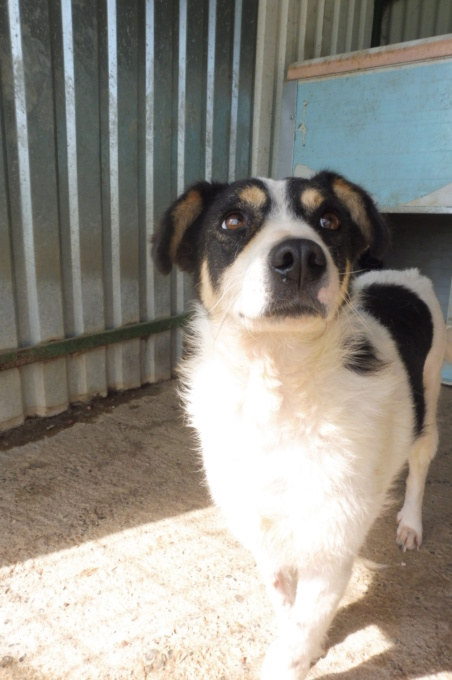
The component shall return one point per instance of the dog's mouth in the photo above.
(293, 307)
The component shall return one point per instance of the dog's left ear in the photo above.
(364, 213)
(176, 238)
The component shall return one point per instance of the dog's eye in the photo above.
(234, 221)
(329, 221)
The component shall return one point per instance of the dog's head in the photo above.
(261, 249)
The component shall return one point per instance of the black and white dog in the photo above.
(309, 387)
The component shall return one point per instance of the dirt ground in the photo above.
(115, 565)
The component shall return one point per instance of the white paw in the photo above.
(409, 531)
(277, 665)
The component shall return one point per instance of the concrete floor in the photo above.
(115, 565)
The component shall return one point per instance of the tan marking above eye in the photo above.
(254, 196)
(234, 221)
(311, 198)
(330, 221)
(355, 205)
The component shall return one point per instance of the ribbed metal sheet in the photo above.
(414, 19)
(108, 110)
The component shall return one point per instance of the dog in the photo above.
(309, 386)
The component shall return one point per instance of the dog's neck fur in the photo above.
(287, 345)
(270, 371)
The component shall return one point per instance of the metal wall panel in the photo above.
(414, 19)
(108, 109)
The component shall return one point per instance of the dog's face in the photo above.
(264, 250)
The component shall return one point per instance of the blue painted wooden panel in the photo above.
(387, 129)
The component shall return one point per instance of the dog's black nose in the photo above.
(300, 260)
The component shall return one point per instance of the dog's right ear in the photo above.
(176, 239)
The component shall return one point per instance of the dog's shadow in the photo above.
(400, 624)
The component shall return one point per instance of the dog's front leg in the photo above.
(304, 618)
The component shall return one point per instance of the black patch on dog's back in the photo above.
(409, 321)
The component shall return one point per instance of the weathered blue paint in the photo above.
(389, 130)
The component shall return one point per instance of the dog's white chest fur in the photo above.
(281, 444)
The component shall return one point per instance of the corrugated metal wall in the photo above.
(414, 19)
(107, 110)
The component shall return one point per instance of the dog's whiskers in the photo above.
(349, 305)
(223, 295)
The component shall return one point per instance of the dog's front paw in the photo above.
(279, 666)
(409, 531)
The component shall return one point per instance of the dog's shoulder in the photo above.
(404, 304)
(402, 301)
